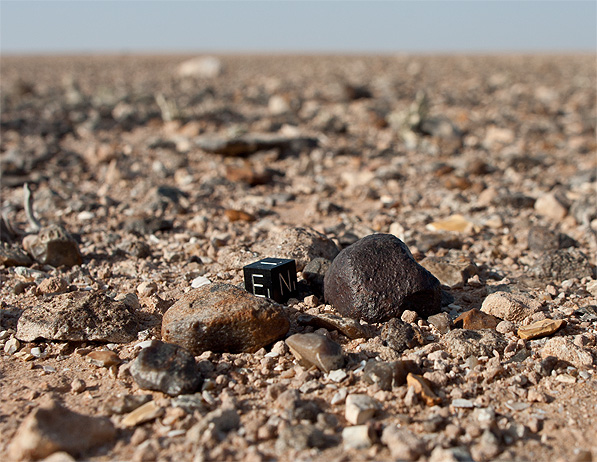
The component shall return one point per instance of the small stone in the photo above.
(12, 346)
(339, 396)
(377, 278)
(240, 215)
(79, 316)
(400, 336)
(458, 454)
(200, 67)
(455, 223)
(337, 375)
(360, 408)
(347, 326)
(462, 403)
(539, 329)
(127, 403)
(315, 349)
(54, 246)
(167, 368)
(550, 206)
(510, 307)
(487, 447)
(200, 281)
(441, 322)
(52, 427)
(52, 286)
(409, 316)
(452, 270)
(423, 389)
(463, 343)
(104, 358)
(300, 437)
(592, 288)
(565, 350)
(403, 443)
(389, 374)
(145, 413)
(59, 456)
(147, 288)
(476, 319)
(562, 264)
(357, 437)
(223, 318)
(505, 327)
(77, 386)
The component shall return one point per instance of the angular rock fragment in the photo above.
(510, 307)
(223, 318)
(244, 145)
(347, 326)
(441, 321)
(360, 408)
(541, 239)
(79, 316)
(52, 286)
(103, 358)
(452, 270)
(400, 336)
(314, 273)
(476, 319)
(402, 443)
(145, 413)
(167, 368)
(463, 343)
(300, 437)
(388, 374)
(315, 349)
(54, 246)
(422, 388)
(53, 427)
(563, 264)
(358, 437)
(541, 328)
(566, 350)
(377, 278)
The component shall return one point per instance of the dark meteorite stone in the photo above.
(377, 278)
(166, 367)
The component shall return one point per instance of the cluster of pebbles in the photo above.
(441, 211)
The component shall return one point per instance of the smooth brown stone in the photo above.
(316, 350)
(223, 318)
(542, 328)
(104, 358)
(475, 319)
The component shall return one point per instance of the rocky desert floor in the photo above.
(167, 175)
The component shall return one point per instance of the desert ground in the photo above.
(168, 173)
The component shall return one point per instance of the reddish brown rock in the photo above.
(542, 328)
(223, 318)
(475, 319)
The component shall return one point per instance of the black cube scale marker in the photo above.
(273, 278)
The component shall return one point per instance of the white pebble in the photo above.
(199, 282)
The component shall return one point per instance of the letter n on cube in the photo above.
(273, 278)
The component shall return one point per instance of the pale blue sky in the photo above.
(297, 26)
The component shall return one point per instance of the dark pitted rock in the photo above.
(452, 270)
(78, 317)
(166, 367)
(53, 427)
(11, 255)
(541, 239)
(314, 272)
(223, 318)
(563, 264)
(347, 326)
(400, 336)
(54, 246)
(475, 319)
(315, 349)
(377, 278)
(463, 343)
